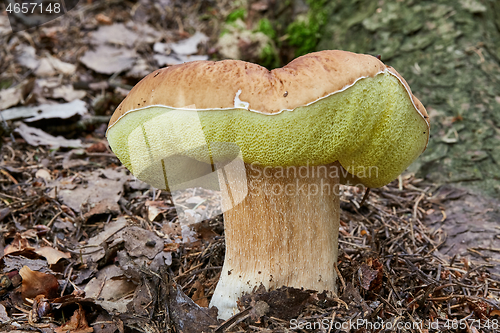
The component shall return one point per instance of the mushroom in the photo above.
(326, 118)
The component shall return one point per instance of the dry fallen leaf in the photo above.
(36, 137)
(44, 174)
(46, 111)
(116, 34)
(61, 66)
(186, 46)
(45, 68)
(76, 324)
(89, 251)
(67, 93)
(49, 66)
(187, 315)
(141, 69)
(199, 295)
(26, 56)
(5, 28)
(104, 324)
(37, 283)
(140, 242)
(366, 275)
(177, 59)
(4, 317)
(95, 187)
(109, 60)
(105, 207)
(156, 208)
(376, 283)
(19, 243)
(17, 261)
(10, 97)
(109, 288)
(52, 255)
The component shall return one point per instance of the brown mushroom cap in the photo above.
(214, 85)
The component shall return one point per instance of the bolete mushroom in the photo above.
(324, 118)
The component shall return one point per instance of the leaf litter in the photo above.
(46, 111)
(94, 250)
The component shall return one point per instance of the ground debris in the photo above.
(159, 302)
(284, 303)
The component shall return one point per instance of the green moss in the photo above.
(239, 13)
(265, 26)
(304, 33)
(5, 84)
(235, 15)
(269, 56)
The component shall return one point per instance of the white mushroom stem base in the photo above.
(284, 233)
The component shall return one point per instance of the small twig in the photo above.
(333, 318)
(54, 218)
(67, 280)
(234, 320)
(102, 286)
(340, 276)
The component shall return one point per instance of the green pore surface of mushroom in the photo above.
(295, 133)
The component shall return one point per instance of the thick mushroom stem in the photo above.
(284, 233)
